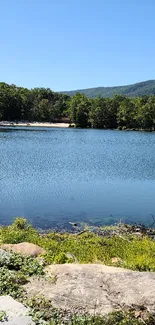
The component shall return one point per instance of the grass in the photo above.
(133, 252)
(3, 316)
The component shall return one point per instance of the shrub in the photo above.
(28, 265)
(14, 271)
(19, 231)
(10, 283)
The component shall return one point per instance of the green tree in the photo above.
(79, 110)
(103, 114)
(126, 115)
(146, 114)
(10, 102)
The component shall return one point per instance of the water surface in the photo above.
(54, 176)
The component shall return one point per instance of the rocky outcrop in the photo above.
(24, 249)
(88, 288)
(95, 288)
(17, 313)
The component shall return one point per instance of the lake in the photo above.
(55, 176)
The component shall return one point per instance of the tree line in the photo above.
(38, 104)
(42, 104)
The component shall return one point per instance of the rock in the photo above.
(22, 320)
(15, 311)
(116, 260)
(40, 260)
(24, 249)
(7, 247)
(95, 288)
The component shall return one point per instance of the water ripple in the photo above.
(66, 174)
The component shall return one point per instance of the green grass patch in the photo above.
(133, 252)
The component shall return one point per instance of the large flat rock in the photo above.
(95, 287)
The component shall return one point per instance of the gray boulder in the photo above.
(16, 312)
(22, 320)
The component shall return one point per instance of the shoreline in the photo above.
(62, 125)
(73, 228)
(34, 124)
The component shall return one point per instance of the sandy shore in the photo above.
(37, 124)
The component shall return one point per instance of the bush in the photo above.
(14, 272)
(18, 232)
(10, 283)
(28, 265)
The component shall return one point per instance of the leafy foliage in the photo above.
(3, 316)
(79, 110)
(14, 272)
(19, 231)
(25, 264)
(10, 282)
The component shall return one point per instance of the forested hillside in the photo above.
(44, 105)
(135, 90)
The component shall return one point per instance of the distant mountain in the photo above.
(135, 90)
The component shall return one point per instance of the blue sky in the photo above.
(73, 44)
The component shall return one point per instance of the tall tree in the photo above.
(126, 115)
(79, 110)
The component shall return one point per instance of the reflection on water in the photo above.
(53, 176)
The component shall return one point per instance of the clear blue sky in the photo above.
(73, 44)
